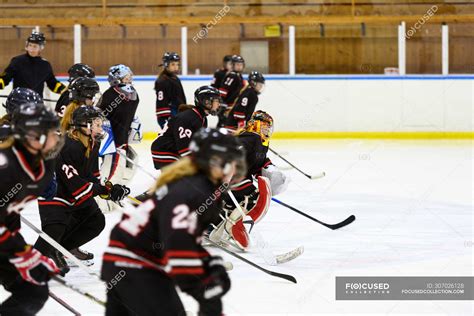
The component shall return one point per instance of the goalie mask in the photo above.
(261, 123)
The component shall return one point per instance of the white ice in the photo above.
(414, 206)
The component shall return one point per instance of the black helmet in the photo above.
(36, 37)
(84, 115)
(83, 88)
(227, 58)
(211, 146)
(206, 93)
(255, 77)
(237, 59)
(20, 96)
(33, 117)
(169, 57)
(80, 70)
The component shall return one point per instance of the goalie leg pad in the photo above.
(260, 208)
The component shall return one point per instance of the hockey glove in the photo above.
(119, 192)
(33, 266)
(278, 180)
(217, 282)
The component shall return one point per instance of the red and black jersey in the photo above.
(120, 111)
(31, 72)
(77, 175)
(218, 77)
(173, 141)
(24, 178)
(166, 230)
(242, 109)
(231, 87)
(169, 94)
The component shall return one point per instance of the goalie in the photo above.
(119, 105)
(253, 198)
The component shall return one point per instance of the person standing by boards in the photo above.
(30, 70)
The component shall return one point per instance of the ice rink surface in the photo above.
(414, 206)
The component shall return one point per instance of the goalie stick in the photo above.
(345, 222)
(262, 246)
(312, 177)
(272, 273)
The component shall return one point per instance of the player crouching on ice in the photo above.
(25, 174)
(254, 199)
(72, 217)
(158, 245)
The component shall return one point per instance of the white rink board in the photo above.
(346, 103)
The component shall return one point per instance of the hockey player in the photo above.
(173, 142)
(30, 70)
(24, 271)
(119, 105)
(157, 245)
(245, 105)
(82, 91)
(222, 72)
(17, 97)
(72, 217)
(231, 86)
(169, 91)
(76, 71)
(254, 200)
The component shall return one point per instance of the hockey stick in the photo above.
(272, 273)
(77, 290)
(345, 222)
(63, 303)
(61, 249)
(312, 177)
(137, 165)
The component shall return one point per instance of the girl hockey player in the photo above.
(173, 141)
(245, 105)
(72, 217)
(158, 244)
(169, 91)
(25, 174)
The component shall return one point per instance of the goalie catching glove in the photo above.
(278, 180)
(33, 266)
(116, 192)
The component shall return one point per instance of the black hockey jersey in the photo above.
(218, 77)
(77, 175)
(173, 141)
(231, 87)
(256, 153)
(166, 230)
(120, 111)
(24, 178)
(169, 95)
(242, 109)
(31, 72)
